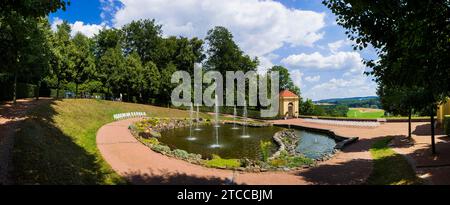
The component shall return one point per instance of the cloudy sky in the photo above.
(299, 34)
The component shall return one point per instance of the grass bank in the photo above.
(365, 113)
(389, 167)
(56, 144)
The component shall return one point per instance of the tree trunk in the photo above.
(15, 87)
(433, 143)
(57, 89)
(76, 90)
(409, 124)
(38, 90)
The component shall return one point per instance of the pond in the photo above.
(240, 143)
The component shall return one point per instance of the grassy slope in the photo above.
(57, 144)
(390, 168)
(354, 113)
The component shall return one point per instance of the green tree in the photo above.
(109, 67)
(285, 79)
(307, 107)
(153, 79)
(83, 59)
(61, 63)
(19, 35)
(166, 85)
(144, 38)
(412, 42)
(107, 38)
(225, 55)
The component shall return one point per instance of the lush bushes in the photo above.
(265, 150)
(286, 160)
(218, 162)
(447, 124)
(23, 91)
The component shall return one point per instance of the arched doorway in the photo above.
(290, 110)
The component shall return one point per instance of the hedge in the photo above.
(447, 124)
(23, 91)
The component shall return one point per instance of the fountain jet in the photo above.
(234, 119)
(190, 137)
(197, 121)
(244, 130)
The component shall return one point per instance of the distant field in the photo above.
(367, 113)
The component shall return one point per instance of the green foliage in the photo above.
(286, 160)
(224, 54)
(218, 162)
(389, 167)
(447, 124)
(285, 79)
(355, 113)
(150, 141)
(265, 146)
(163, 149)
(181, 154)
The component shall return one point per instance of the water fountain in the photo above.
(234, 119)
(244, 129)
(197, 128)
(216, 126)
(190, 137)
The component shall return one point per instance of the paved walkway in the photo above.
(10, 116)
(140, 165)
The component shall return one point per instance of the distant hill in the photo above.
(353, 102)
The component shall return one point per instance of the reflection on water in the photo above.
(234, 145)
(314, 145)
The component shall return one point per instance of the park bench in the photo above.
(127, 115)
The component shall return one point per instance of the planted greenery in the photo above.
(218, 162)
(265, 150)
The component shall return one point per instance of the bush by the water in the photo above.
(218, 162)
(285, 160)
(265, 150)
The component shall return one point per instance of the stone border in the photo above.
(342, 141)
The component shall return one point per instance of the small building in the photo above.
(443, 110)
(289, 103)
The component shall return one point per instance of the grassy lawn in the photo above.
(56, 145)
(365, 113)
(389, 167)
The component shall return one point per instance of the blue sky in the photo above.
(298, 34)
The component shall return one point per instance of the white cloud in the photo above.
(87, 29)
(259, 27)
(350, 86)
(337, 45)
(297, 78)
(312, 79)
(349, 61)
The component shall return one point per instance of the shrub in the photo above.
(447, 124)
(278, 162)
(151, 141)
(181, 154)
(265, 150)
(299, 161)
(286, 160)
(218, 162)
(163, 149)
